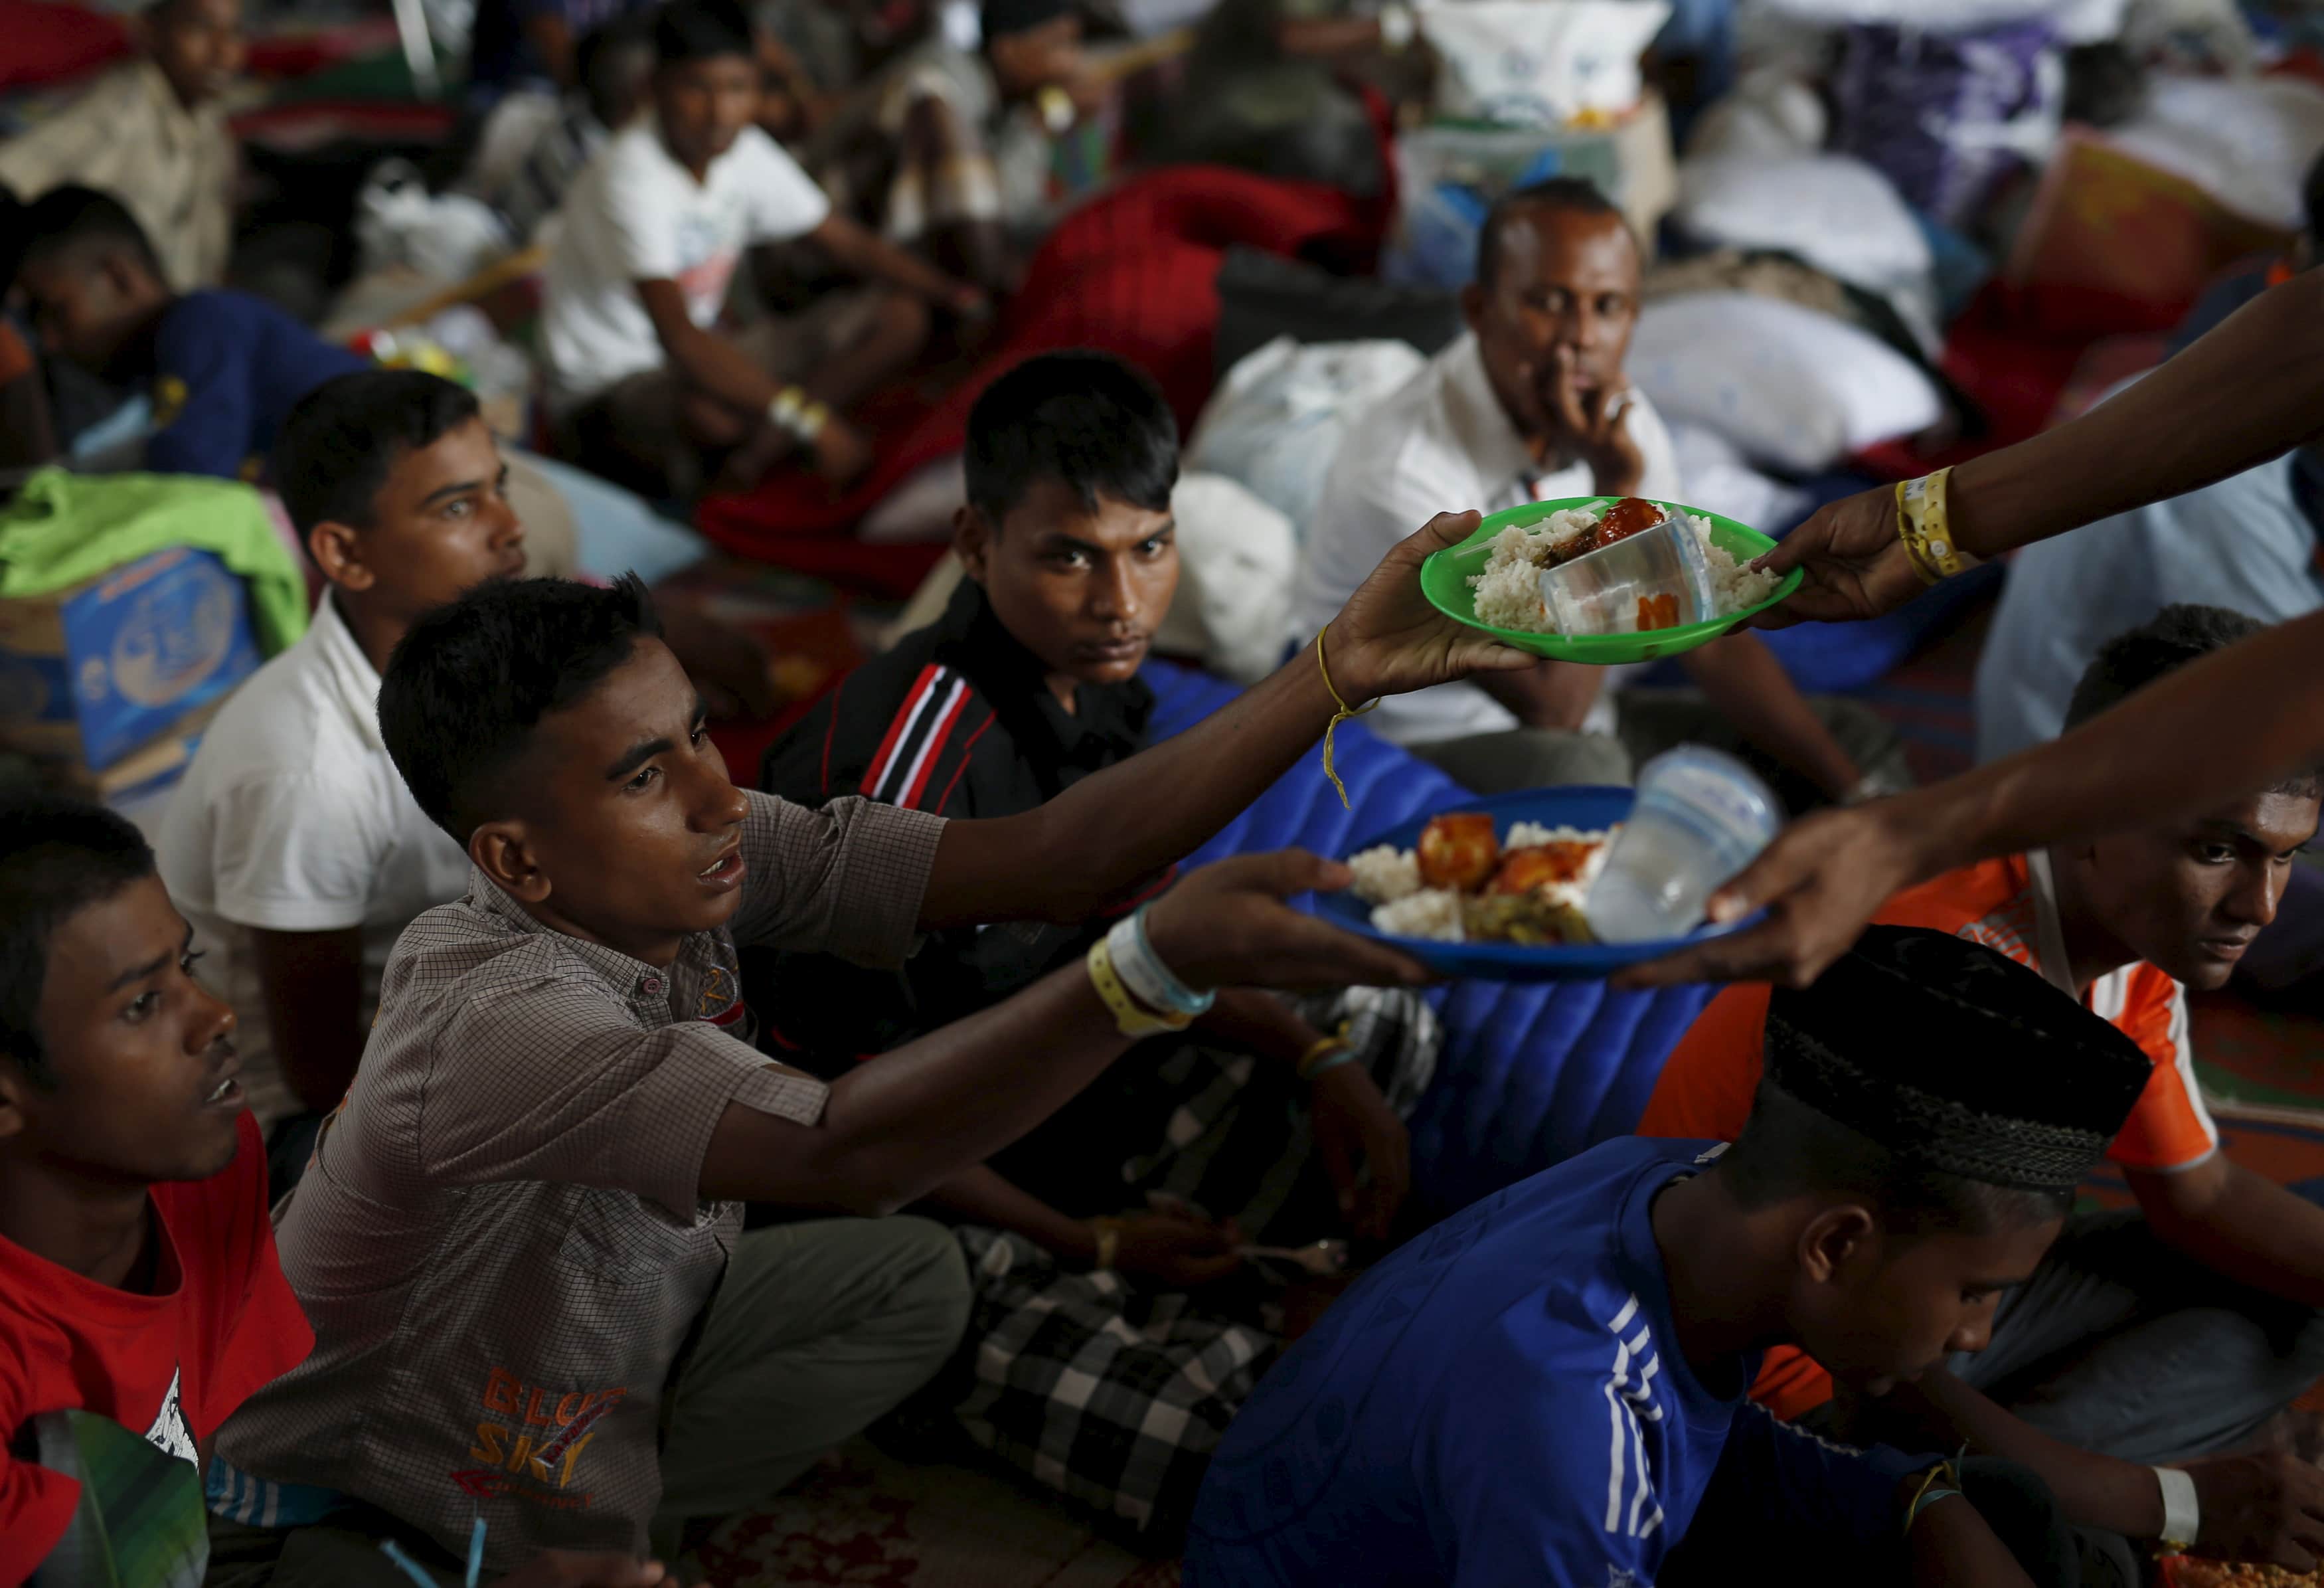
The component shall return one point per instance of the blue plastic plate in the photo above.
(1584, 806)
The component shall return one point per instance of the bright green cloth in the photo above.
(64, 527)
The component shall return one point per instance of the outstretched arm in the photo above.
(2250, 390)
(894, 1130)
(2242, 718)
(2262, 1506)
(1061, 860)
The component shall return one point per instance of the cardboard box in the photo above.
(92, 674)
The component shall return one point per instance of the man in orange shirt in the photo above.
(2214, 1288)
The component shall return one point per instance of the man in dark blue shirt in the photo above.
(1540, 1390)
(223, 367)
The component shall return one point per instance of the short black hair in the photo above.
(997, 19)
(339, 441)
(702, 30)
(597, 60)
(1788, 1148)
(58, 856)
(1575, 195)
(77, 217)
(2180, 634)
(470, 681)
(1089, 420)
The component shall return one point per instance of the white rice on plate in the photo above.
(1388, 879)
(1508, 591)
(1385, 873)
(1433, 913)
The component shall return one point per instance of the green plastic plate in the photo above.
(1444, 580)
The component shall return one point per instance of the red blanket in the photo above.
(1132, 273)
(56, 43)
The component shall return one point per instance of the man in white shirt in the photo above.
(1532, 405)
(292, 845)
(152, 132)
(642, 378)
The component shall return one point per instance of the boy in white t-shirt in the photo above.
(645, 379)
(293, 846)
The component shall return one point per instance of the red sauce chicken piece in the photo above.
(1458, 851)
(1538, 864)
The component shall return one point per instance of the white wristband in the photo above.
(1146, 977)
(2182, 1515)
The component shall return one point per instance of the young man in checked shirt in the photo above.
(518, 1240)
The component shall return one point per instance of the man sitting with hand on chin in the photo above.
(1532, 406)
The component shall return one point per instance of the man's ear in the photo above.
(972, 542)
(1838, 1239)
(502, 851)
(337, 550)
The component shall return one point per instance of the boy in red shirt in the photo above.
(137, 1272)
(138, 1279)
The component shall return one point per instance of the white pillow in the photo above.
(1768, 114)
(1836, 212)
(1276, 422)
(1788, 386)
(2246, 142)
(1236, 558)
(1521, 63)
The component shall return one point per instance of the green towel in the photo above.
(140, 1522)
(64, 528)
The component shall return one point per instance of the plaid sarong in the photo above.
(1116, 1394)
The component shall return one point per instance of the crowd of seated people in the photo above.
(469, 1129)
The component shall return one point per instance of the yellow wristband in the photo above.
(1924, 524)
(1944, 1478)
(1130, 1018)
(1339, 716)
(1318, 1052)
(1108, 1242)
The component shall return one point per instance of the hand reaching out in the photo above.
(1388, 639)
(1227, 925)
(1820, 882)
(1856, 566)
(2267, 1505)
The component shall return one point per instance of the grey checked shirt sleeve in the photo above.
(557, 1080)
(846, 879)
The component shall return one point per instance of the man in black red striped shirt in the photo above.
(1028, 683)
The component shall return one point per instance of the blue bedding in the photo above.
(1530, 1075)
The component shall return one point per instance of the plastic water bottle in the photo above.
(1700, 817)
